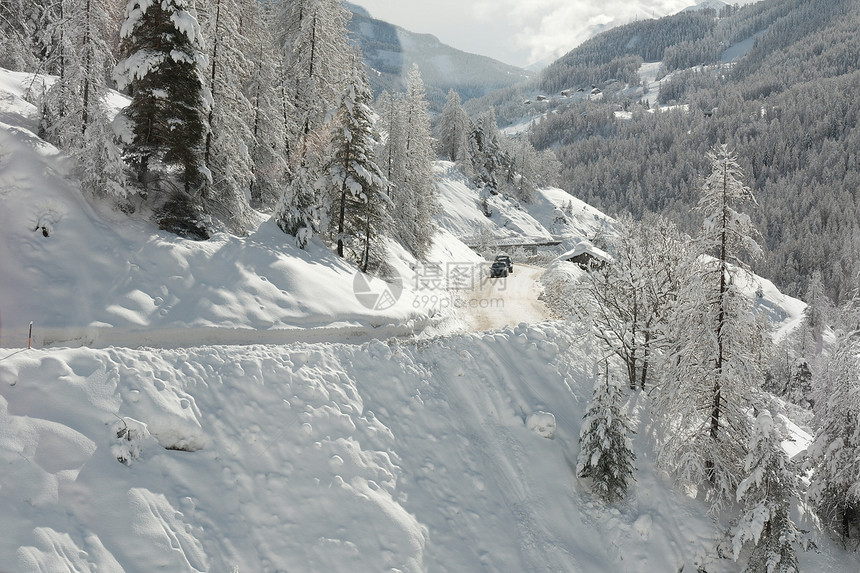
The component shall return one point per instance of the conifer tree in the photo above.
(485, 166)
(815, 315)
(606, 455)
(767, 493)
(453, 129)
(712, 373)
(297, 213)
(162, 69)
(74, 115)
(312, 37)
(226, 152)
(414, 196)
(357, 184)
(834, 455)
(268, 122)
(392, 148)
(16, 35)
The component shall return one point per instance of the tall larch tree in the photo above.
(357, 187)
(162, 69)
(312, 35)
(227, 149)
(627, 303)
(414, 196)
(392, 148)
(268, 127)
(16, 35)
(453, 128)
(74, 114)
(712, 373)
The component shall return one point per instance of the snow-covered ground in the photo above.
(500, 302)
(552, 214)
(453, 454)
(233, 406)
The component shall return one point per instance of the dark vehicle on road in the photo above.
(499, 269)
(507, 260)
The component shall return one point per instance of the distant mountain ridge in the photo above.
(777, 80)
(716, 5)
(390, 52)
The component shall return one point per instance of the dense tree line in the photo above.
(647, 39)
(678, 315)
(235, 106)
(496, 164)
(788, 110)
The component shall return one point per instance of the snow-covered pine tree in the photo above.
(315, 56)
(377, 224)
(484, 153)
(767, 492)
(391, 151)
(297, 213)
(816, 316)
(226, 151)
(162, 69)
(58, 103)
(414, 197)
(355, 182)
(712, 373)
(312, 35)
(795, 358)
(74, 114)
(606, 455)
(834, 456)
(453, 129)
(268, 118)
(523, 180)
(16, 35)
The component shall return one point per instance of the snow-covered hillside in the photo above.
(84, 277)
(552, 215)
(232, 405)
(449, 455)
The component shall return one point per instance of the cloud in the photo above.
(519, 32)
(550, 28)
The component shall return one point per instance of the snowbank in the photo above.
(84, 277)
(453, 454)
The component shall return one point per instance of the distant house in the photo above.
(565, 93)
(541, 98)
(587, 256)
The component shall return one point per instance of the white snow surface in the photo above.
(543, 219)
(204, 406)
(105, 279)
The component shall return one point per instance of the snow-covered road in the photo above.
(500, 302)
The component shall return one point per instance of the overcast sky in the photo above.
(518, 32)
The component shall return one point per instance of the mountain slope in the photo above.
(786, 106)
(391, 51)
(145, 286)
(328, 457)
(450, 453)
